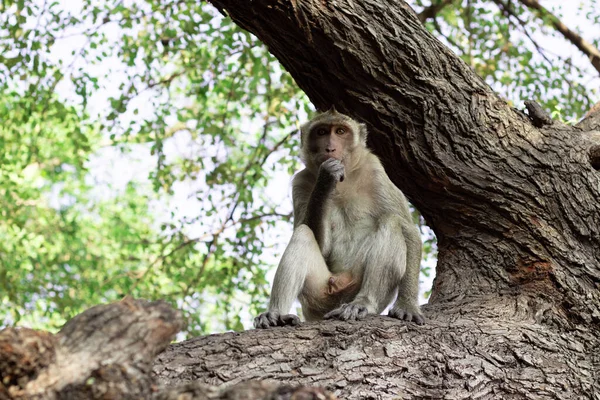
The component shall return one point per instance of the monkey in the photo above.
(354, 244)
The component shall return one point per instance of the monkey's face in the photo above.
(330, 135)
(327, 141)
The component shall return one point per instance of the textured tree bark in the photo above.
(463, 357)
(592, 119)
(106, 353)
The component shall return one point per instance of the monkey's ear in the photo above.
(362, 133)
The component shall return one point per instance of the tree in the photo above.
(512, 198)
(62, 240)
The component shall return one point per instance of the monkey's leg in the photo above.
(301, 271)
(383, 263)
(406, 306)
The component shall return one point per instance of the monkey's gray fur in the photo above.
(354, 245)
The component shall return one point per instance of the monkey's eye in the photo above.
(321, 132)
(340, 131)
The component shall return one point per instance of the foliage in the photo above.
(520, 54)
(91, 91)
(180, 75)
(60, 242)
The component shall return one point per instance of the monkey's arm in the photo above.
(407, 304)
(301, 189)
(309, 206)
(313, 215)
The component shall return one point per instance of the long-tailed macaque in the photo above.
(354, 244)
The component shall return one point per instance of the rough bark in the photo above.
(107, 353)
(591, 125)
(462, 357)
(591, 121)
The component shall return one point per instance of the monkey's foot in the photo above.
(348, 312)
(270, 319)
(407, 314)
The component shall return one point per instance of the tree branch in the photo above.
(583, 45)
(431, 11)
(591, 121)
(107, 353)
(510, 12)
(537, 114)
(110, 347)
(385, 358)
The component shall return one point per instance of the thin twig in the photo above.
(583, 45)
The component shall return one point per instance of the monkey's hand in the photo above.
(273, 318)
(407, 312)
(331, 172)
